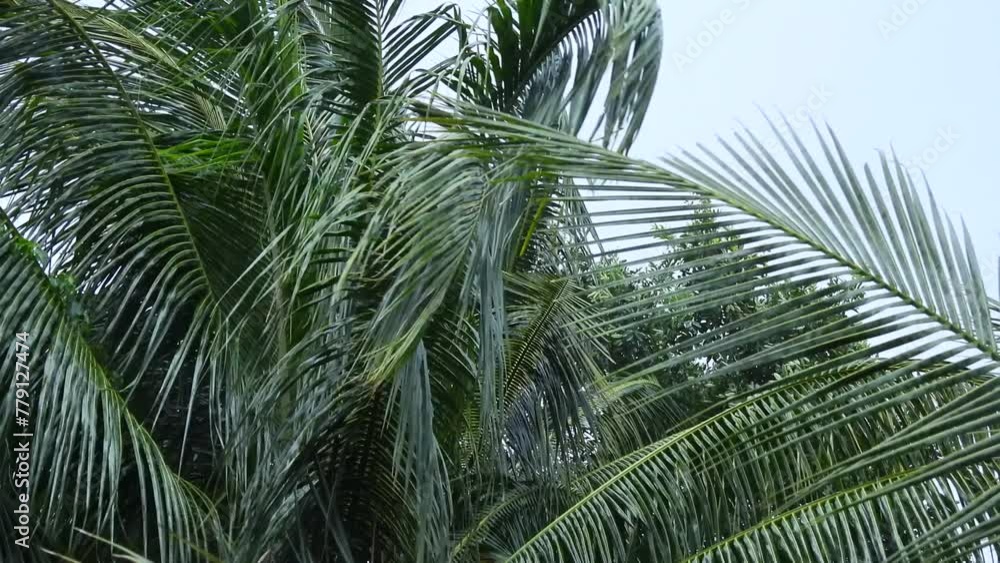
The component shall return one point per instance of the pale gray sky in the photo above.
(919, 75)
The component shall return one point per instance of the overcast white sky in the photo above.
(919, 75)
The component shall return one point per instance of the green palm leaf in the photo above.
(308, 281)
(94, 464)
(909, 306)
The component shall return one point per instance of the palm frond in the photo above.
(94, 463)
(908, 306)
(289, 301)
(545, 60)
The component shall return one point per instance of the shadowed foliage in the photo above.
(314, 280)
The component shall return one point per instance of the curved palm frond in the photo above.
(295, 304)
(94, 465)
(545, 60)
(908, 304)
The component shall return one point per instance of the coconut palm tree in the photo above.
(314, 281)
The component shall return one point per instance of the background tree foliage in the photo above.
(300, 290)
(653, 328)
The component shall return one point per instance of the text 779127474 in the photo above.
(22, 442)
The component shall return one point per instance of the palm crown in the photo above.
(296, 291)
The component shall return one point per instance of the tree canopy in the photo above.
(312, 281)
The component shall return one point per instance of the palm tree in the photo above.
(293, 290)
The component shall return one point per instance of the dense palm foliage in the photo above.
(311, 281)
